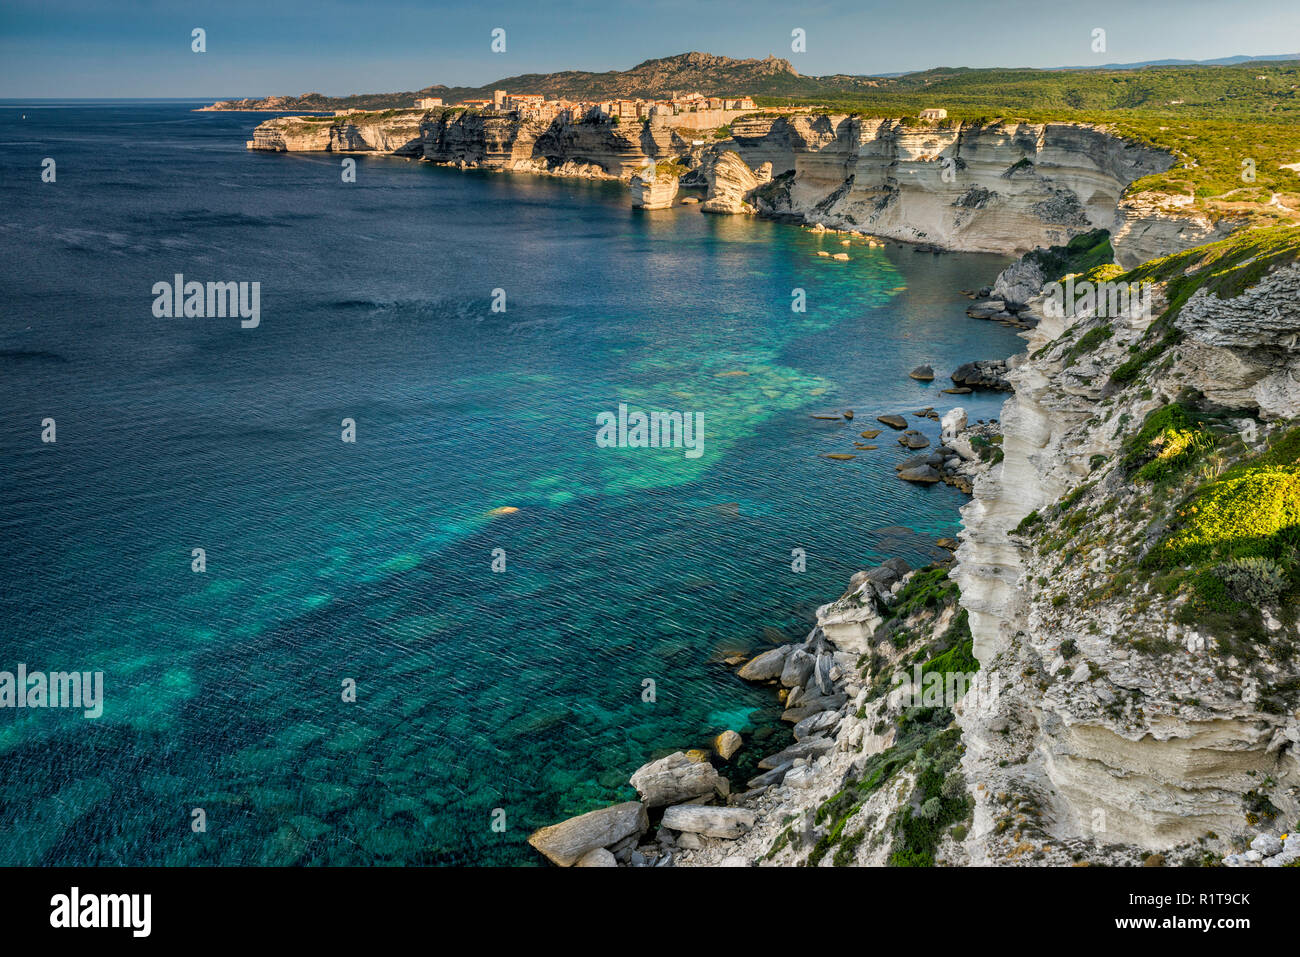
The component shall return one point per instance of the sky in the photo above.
(142, 48)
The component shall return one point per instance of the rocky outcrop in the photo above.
(653, 190)
(1150, 225)
(399, 134)
(1240, 353)
(731, 182)
(479, 139)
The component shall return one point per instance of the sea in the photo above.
(361, 583)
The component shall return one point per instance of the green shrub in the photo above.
(1087, 342)
(1171, 438)
(1254, 580)
(1028, 522)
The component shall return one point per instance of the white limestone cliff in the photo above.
(1151, 732)
(996, 187)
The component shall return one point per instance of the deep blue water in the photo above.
(476, 690)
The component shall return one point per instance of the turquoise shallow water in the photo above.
(477, 690)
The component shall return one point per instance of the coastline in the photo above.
(1019, 707)
(699, 815)
(995, 186)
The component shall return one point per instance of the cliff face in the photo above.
(993, 188)
(482, 140)
(401, 134)
(1140, 704)
(997, 188)
(1149, 225)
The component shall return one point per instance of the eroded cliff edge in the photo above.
(992, 187)
(1126, 566)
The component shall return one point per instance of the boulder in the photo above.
(878, 579)
(913, 439)
(849, 625)
(766, 666)
(898, 566)
(808, 748)
(597, 857)
(816, 724)
(924, 474)
(922, 374)
(567, 842)
(674, 779)
(1019, 282)
(801, 777)
(769, 778)
(825, 665)
(983, 374)
(1266, 844)
(727, 744)
(728, 823)
(798, 667)
(952, 424)
(893, 421)
(808, 707)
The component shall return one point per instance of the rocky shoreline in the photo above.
(1035, 699)
(687, 813)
